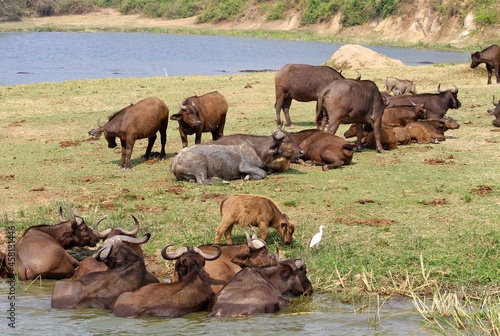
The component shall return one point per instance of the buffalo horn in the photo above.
(300, 263)
(493, 101)
(183, 107)
(135, 230)
(209, 256)
(359, 75)
(103, 234)
(254, 243)
(456, 89)
(173, 255)
(412, 102)
(61, 218)
(134, 240)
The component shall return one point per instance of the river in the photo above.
(55, 57)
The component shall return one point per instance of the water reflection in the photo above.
(318, 315)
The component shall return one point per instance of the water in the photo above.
(54, 57)
(35, 316)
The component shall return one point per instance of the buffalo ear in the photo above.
(285, 270)
(176, 116)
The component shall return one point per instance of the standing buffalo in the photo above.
(495, 112)
(253, 210)
(351, 101)
(137, 121)
(41, 249)
(436, 104)
(489, 56)
(218, 161)
(400, 86)
(301, 82)
(200, 114)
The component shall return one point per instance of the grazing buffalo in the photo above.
(351, 101)
(489, 56)
(200, 114)
(324, 149)
(495, 112)
(221, 270)
(41, 251)
(221, 160)
(89, 265)
(190, 294)
(137, 121)
(126, 273)
(253, 210)
(400, 86)
(301, 82)
(436, 104)
(256, 290)
(401, 115)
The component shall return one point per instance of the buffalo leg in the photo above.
(121, 164)
(151, 142)
(197, 138)
(263, 230)
(252, 172)
(163, 138)
(184, 138)
(359, 137)
(497, 72)
(219, 132)
(489, 68)
(128, 154)
(377, 129)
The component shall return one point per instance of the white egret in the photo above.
(316, 238)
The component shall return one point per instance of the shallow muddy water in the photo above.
(318, 315)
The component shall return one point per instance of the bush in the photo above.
(278, 11)
(485, 12)
(218, 11)
(317, 11)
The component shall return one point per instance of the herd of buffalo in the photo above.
(231, 279)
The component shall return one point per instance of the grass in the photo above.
(394, 223)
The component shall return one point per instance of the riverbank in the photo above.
(454, 35)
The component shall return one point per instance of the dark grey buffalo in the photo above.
(240, 155)
(301, 82)
(351, 101)
(436, 104)
(400, 86)
(495, 112)
(489, 56)
(199, 114)
(137, 121)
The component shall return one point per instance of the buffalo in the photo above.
(489, 56)
(89, 265)
(301, 82)
(436, 104)
(217, 161)
(189, 294)
(41, 251)
(323, 149)
(401, 115)
(234, 256)
(136, 121)
(198, 114)
(351, 101)
(126, 273)
(495, 112)
(257, 290)
(253, 210)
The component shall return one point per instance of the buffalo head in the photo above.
(475, 59)
(454, 103)
(114, 253)
(285, 146)
(188, 114)
(188, 259)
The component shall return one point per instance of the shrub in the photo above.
(218, 11)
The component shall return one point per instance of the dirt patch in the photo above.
(217, 197)
(447, 160)
(482, 190)
(369, 222)
(70, 143)
(436, 202)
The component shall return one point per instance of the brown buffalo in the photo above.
(489, 56)
(257, 290)
(387, 137)
(41, 251)
(495, 112)
(401, 115)
(253, 210)
(221, 270)
(126, 273)
(89, 265)
(137, 121)
(324, 149)
(233, 157)
(198, 114)
(351, 101)
(190, 294)
(5, 266)
(301, 82)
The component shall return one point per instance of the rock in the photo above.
(358, 57)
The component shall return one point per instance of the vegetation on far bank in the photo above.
(215, 11)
